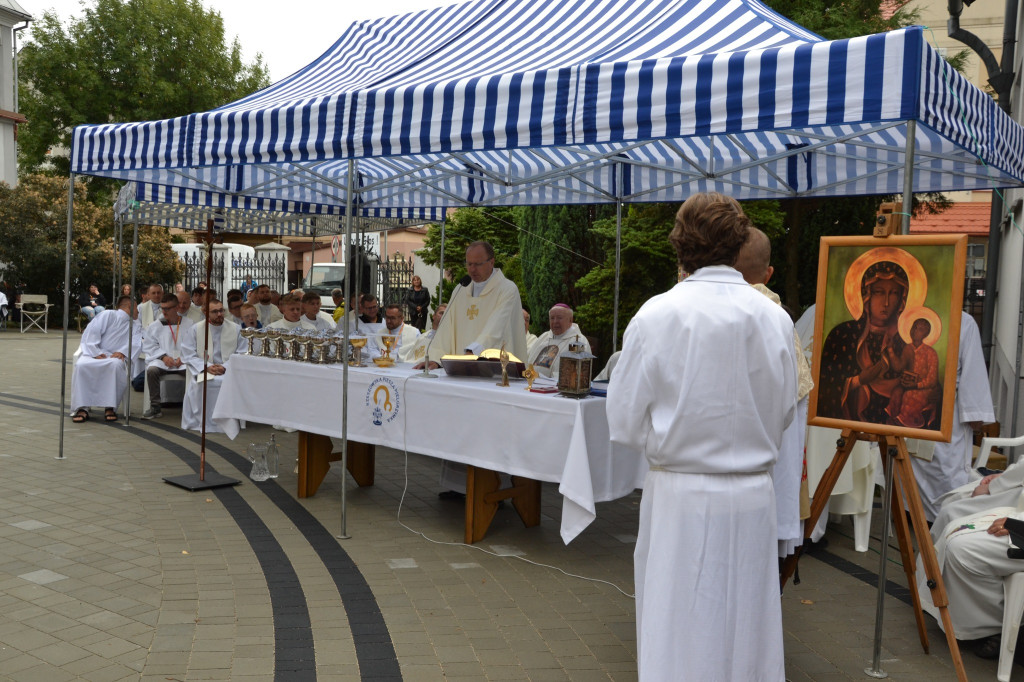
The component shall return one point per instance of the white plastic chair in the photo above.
(34, 316)
(1013, 610)
(988, 443)
(172, 389)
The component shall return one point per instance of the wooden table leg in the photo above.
(315, 457)
(484, 491)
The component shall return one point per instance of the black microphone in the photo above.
(463, 283)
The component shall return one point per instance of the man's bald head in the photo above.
(755, 257)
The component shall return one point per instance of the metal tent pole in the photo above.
(618, 257)
(132, 312)
(908, 198)
(440, 281)
(67, 305)
(349, 204)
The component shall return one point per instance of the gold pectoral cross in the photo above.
(472, 312)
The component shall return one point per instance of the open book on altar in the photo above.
(487, 364)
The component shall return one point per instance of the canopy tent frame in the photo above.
(660, 99)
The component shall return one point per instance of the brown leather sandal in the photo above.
(109, 415)
(82, 415)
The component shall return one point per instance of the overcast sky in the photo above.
(290, 34)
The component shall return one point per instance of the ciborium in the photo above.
(357, 343)
(387, 342)
(248, 333)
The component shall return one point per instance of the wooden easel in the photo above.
(903, 490)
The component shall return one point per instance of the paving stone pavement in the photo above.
(108, 573)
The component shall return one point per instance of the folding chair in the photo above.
(34, 316)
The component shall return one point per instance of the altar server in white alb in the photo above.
(552, 343)
(705, 387)
(311, 313)
(224, 341)
(162, 347)
(754, 263)
(950, 463)
(100, 377)
(486, 314)
(291, 309)
(394, 318)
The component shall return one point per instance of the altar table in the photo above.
(543, 437)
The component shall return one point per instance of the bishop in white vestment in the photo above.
(100, 375)
(705, 387)
(555, 341)
(224, 341)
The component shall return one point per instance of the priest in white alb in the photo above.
(552, 343)
(100, 374)
(705, 387)
(970, 545)
(394, 318)
(223, 342)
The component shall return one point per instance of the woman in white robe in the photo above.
(706, 385)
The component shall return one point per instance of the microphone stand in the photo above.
(427, 374)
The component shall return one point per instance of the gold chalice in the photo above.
(387, 342)
(274, 341)
(357, 342)
(248, 333)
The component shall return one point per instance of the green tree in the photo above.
(466, 225)
(557, 248)
(33, 234)
(124, 60)
(648, 268)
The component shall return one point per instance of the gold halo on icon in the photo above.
(915, 274)
(910, 315)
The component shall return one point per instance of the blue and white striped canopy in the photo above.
(498, 102)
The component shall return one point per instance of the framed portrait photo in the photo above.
(886, 334)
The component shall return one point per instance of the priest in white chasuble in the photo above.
(705, 387)
(486, 314)
(100, 375)
(222, 342)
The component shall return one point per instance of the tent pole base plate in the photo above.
(192, 483)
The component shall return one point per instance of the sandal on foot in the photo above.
(80, 416)
(110, 415)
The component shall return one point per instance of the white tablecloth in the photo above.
(540, 436)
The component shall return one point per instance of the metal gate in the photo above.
(395, 278)
(195, 270)
(265, 268)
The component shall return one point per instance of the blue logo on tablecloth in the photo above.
(383, 399)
